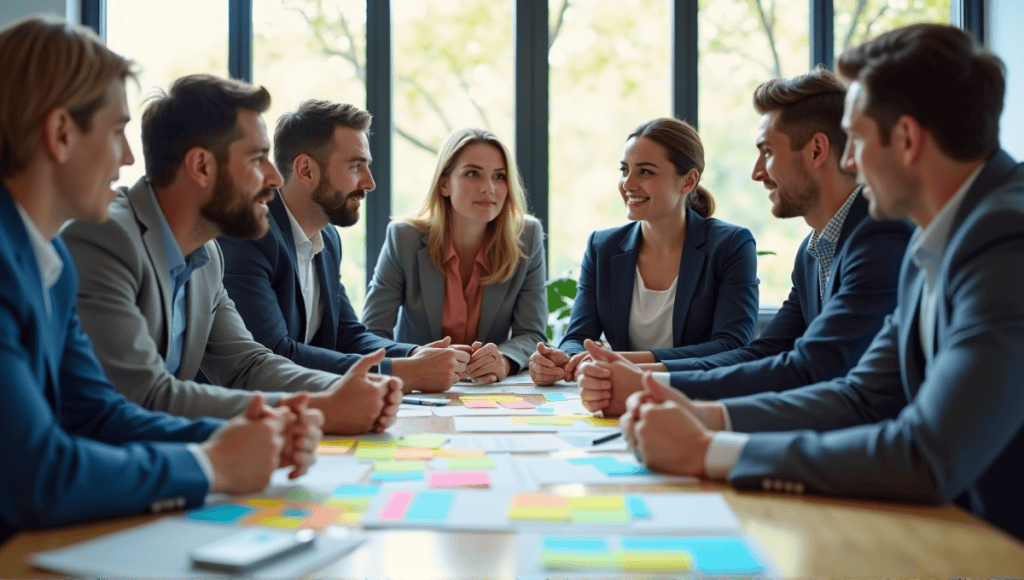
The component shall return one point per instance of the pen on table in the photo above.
(426, 402)
(606, 438)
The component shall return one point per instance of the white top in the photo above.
(650, 315)
(305, 250)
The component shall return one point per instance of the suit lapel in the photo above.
(329, 286)
(491, 300)
(690, 264)
(280, 215)
(623, 277)
(148, 214)
(431, 288)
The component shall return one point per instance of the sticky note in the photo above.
(349, 502)
(600, 516)
(414, 453)
(598, 502)
(540, 500)
(355, 490)
(353, 518)
(335, 446)
(575, 543)
(321, 517)
(347, 443)
(555, 396)
(495, 398)
(713, 555)
(638, 507)
(296, 513)
(449, 452)
(429, 440)
(464, 463)
(430, 506)
(602, 422)
(558, 560)
(516, 405)
(396, 476)
(548, 514)
(660, 561)
(280, 522)
(609, 465)
(409, 465)
(264, 502)
(518, 420)
(480, 405)
(459, 479)
(386, 444)
(556, 420)
(220, 513)
(546, 410)
(371, 453)
(396, 505)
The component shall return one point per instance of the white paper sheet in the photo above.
(525, 443)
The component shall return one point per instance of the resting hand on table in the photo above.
(246, 450)
(301, 434)
(487, 364)
(433, 367)
(360, 401)
(547, 365)
(607, 380)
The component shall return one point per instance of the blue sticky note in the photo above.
(221, 513)
(397, 475)
(547, 410)
(610, 466)
(430, 506)
(295, 513)
(555, 396)
(355, 491)
(575, 544)
(637, 507)
(728, 555)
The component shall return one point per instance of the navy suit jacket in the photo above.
(716, 295)
(812, 338)
(897, 428)
(74, 449)
(262, 279)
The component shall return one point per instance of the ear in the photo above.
(200, 165)
(60, 134)
(690, 181)
(306, 170)
(908, 137)
(818, 148)
(446, 185)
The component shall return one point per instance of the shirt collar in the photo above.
(833, 228)
(177, 265)
(931, 243)
(47, 259)
(317, 241)
(451, 255)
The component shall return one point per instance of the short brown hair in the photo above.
(808, 104)
(685, 151)
(50, 63)
(940, 76)
(199, 111)
(310, 130)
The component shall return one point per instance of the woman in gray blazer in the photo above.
(470, 266)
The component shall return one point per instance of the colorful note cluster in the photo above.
(594, 509)
(495, 402)
(708, 555)
(406, 460)
(297, 509)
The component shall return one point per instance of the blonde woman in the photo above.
(470, 266)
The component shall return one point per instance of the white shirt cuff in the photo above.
(723, 453)
(204, 463)
(726, 419)
(663, 378)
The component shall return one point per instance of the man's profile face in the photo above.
(783, 171)
(345, 177)
(244, 183)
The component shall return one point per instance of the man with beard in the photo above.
(286, 284)
(151, 294)
(844, 276)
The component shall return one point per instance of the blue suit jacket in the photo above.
(896, 428)
(812, 338)
(716, 296)
(262, 279)
(73, 448)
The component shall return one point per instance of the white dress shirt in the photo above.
(305, 250)
(650, 315)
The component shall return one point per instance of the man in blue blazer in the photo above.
(845, 273)
(934, 410)
(286, 285)
(73, 448)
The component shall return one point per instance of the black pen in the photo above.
(425, 401)
(606, 438)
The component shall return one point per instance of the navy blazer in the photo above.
(716, 295)
(74, 449)
(812, 338)
(262, 279)
(897, 428)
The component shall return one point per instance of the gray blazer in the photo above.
(896, 428)
(407, 288)
(124, 301)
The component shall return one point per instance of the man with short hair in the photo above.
(934, 410)
(286, 285)
(844, 276)
(152, 295)
(73, 448)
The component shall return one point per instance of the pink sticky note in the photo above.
(396, 506)
(459, 479)
(516, 405)
(481, 405)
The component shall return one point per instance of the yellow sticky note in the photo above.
(566, 560)
(264, 502)
(351, 518)
(424, 440)
(388, 453)
(448, 452)
(352, 502)
(660, 561)
(280, 522)
(400, 465)
(518, 420)
(553, 514)
(556, 420)
(602, 422)
(598, 502)
(346, 443)
(376, 444)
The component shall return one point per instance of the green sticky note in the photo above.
(466, 463)
(432, 440)
(407, 465)
(371, 453)
(600, 516)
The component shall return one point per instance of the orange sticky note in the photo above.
(448, 452)
(540, 500)
(480, 405)
(414, 453)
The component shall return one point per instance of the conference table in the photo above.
(804, 535)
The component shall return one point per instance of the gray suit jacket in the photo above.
(124, 301)
(513, 314)
(894, 427)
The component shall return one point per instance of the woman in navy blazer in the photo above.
(675, 247)
(473, 230)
